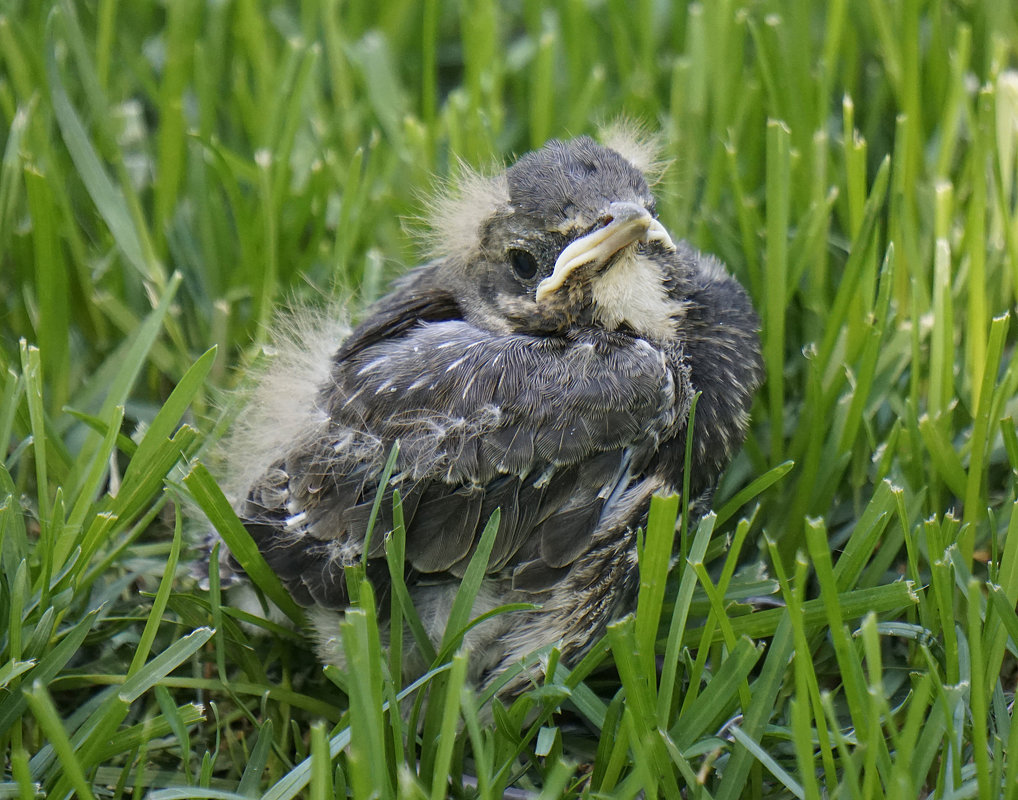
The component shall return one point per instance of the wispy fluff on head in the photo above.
(278, 400)
(454, 214)
(635, 143)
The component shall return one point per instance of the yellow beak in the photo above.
(625, 224)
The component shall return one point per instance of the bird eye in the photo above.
(523, 263)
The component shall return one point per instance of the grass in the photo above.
(172, 173)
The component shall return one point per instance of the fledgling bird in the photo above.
(543, 363)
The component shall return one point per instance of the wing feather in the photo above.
(543, 427)
(443, 531)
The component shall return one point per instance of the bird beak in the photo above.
(623, 225)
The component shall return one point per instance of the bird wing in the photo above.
(546, 428)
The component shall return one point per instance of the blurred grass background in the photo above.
(173, 172)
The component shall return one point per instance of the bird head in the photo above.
(566, 236)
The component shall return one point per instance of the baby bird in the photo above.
(542, 363)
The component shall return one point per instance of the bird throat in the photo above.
(630, 292)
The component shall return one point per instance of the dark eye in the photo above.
(523, 263)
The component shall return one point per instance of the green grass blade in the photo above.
(761, 755)
(202, 487)
(155, 616)
(369, 775)
(93, 479)
(758, 486)
(107, 196)
(395, 553)
(778, 180)
(470, 585)
(163, 664)
(257, 760)
(49, 719)
(450, 715)
(47, 668)
(383, 483)
(716, 698)
(171, 412)
(654, 561)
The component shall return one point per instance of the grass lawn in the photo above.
(843, 626)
